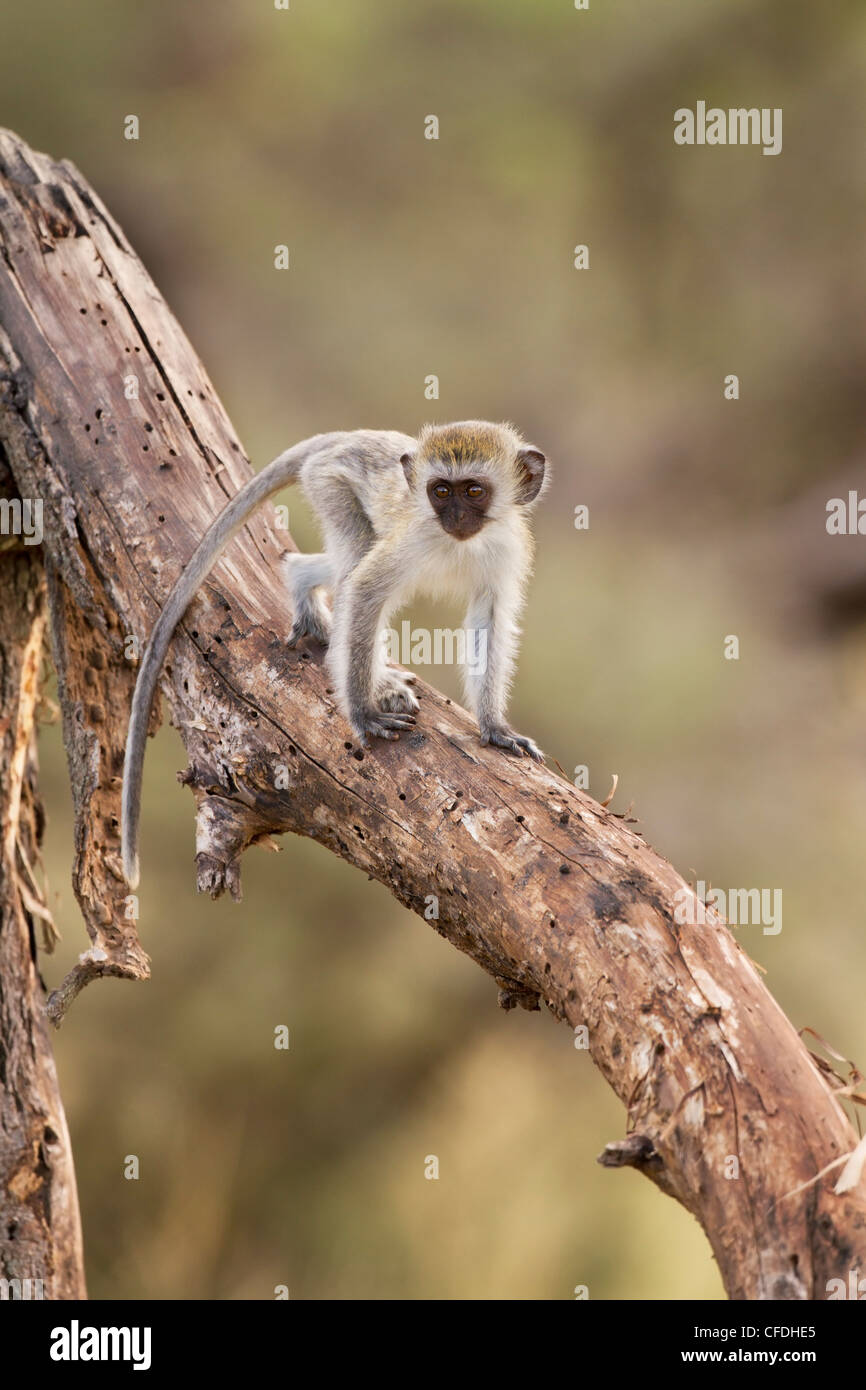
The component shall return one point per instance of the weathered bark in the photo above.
(40, 1234)
(556, 898)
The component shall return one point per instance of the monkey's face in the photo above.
(460, 504)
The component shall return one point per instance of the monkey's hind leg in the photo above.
(308, 576)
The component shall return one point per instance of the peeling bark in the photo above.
(555, 897)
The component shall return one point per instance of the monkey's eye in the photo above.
(442, 490)
(475, 490)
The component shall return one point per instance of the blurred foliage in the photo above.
(261, 1167)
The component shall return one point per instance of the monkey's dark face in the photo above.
(460, 504)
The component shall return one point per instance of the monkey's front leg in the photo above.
(491, 647)
(355, 652)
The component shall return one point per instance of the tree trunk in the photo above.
(40, 1234)
(115, 424)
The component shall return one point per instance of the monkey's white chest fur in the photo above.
(440, 565)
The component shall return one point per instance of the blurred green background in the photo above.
(454, 257)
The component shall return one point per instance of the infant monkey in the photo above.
(444, 513)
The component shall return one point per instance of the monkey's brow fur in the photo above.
(382, 540)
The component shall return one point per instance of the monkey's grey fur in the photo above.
(445, 512)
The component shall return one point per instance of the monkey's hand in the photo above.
(502, 737)
(394, 694)
(377, 723)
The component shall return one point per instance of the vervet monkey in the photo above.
(446, 513)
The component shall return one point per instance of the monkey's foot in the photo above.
(309, 623)
(376, 723)
(394, 695)
(502, 737)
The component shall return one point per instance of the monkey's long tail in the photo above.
(278, 474)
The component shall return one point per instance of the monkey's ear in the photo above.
(408, 462)
(530, 474)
